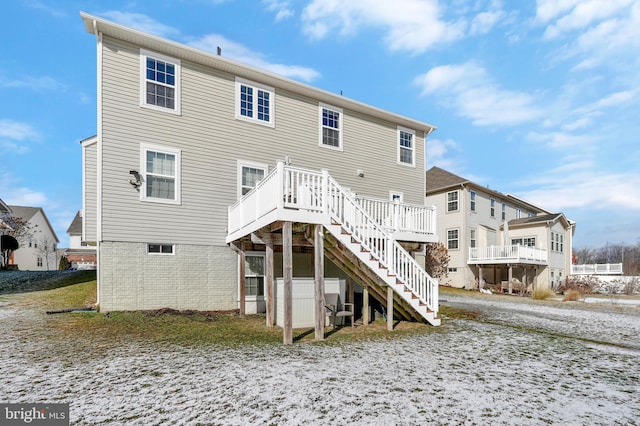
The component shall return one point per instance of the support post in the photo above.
(510, 279)
(271, 302)
(389, 308)
(365, 305)
(287, 268)
(480, 278)
(318, 251)
(237, 247)
(524, 281)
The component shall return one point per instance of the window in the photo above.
(452, 201)
(453, 270)
(161, 170)
(249, 174)
(561, 249)
(39, 261)
(331, 127)
(527, 242)
(254, 102)
(406, 146)
(493, 207)
(160, 248)
(160, 82)
(452, 239)
(530, 215)
(518, 213)
(396, 196)
(472, 207)
(254, 275)
(504, 211)
(472, 238)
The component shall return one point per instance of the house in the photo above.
(38, 248)
(209, 180)
(79, 255)
(498, 238)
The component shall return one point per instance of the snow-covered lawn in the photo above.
(522, 363)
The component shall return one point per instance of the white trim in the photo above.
(253, 298)
(144, 147)
(413, 146)
(242, 163)
(256, 86)
(340, 146)
(143, 81)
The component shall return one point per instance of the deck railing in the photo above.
(394, 216)
(506, 254)
(597, 269)
(289, 187)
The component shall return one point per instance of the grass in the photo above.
(542, 294)
(191, 328)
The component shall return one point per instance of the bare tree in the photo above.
(47, 250)
(19, 229)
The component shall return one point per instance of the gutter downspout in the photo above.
(98, 155)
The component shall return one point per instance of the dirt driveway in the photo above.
(521, 362)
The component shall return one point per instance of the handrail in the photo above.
(394, 216)
(597, 269)
(511, 252)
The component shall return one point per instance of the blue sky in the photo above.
(537, 99)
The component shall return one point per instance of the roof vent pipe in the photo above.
(219, 51)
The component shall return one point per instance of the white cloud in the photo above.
(411, 25)
(469, 90)
(241, 53)
(484, 22)
(142, 23)
(561, 140)
(282, 9)
(440, 153)
(16, 131)
(15, 194)
(35, 83)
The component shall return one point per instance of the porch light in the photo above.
(135, 182)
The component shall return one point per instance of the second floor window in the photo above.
(161, 167)
(452, 239)
(406, 148)
(472, 195)
(493, 207)
(452, 201)
(254, 102)
(504, 211)
(160, 82)
(331, 127)
(472, 238)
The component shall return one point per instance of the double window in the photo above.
(160, 248)
(527, 242)
(160, 82)
(254, 102)
(161, 174)
(452, 201)
(406, 146)
(330, 127)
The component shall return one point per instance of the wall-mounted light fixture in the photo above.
(136, 182)
(360, 173)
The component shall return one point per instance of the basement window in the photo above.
(160, 248)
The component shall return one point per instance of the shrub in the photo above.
(542, 293)
(571, 296)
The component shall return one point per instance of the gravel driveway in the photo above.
(521, 363)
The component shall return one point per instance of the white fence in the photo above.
(508, 254)
(597, 269)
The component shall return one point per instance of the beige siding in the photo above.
(212, 140)
(90, 158)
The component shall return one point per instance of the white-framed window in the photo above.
(452, 201)
(39, 261)
(453, 239)
(394, 195)
(159, 82)
(518, 213)
(472, 238)
(160, 169)
(527, 242)
(406, 146)
(249, 174)
(330, 127)
(254, 274)
(561, 249)
(255, 102)
(504, 211)
(472, 198)
(163, 249)
(492, 203)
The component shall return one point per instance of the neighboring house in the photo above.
(202, 168)
(5, 211)
(498, 237)
(79, 255)
(38, 252)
